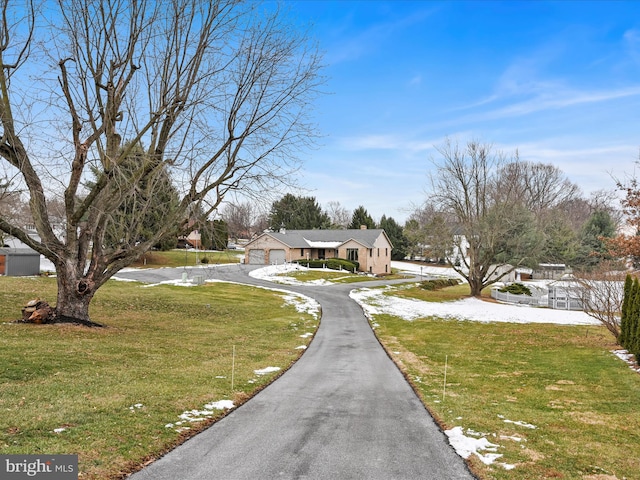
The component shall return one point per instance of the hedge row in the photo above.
(438, 284)
(331, 263)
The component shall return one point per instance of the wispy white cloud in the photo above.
(551, 100)
(593, 167)
(349, 46)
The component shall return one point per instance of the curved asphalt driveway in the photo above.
(343, 411)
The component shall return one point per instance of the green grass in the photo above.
(166, 348)
(181, 258)
(334, 276)
(562, 379)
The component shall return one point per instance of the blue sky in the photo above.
(559, 81)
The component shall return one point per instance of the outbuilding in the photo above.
(17, 262)
(566, 294)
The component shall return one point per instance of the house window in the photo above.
(386, 252)
(378, 252)
(352, 254)
(302, 252)
(371, 252)
(321, 253)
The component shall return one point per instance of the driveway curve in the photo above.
(342, 411)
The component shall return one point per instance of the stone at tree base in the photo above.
(41, 315)
(37, 311)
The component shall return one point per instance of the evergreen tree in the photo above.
(561, 243)
(634, 346)
(361, 217)
(593, 249)
(396, 234)
(214, 235)
(145, 202)
(632, 327)
(297, 213)
(624, 312)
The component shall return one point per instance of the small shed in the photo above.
(17, 262)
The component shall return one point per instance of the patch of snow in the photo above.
(220, 405)
(321, 244)
(192, 416)
(519, 423)
(306, 335)
(628, 358)
(301, 347)
(303, 303)
(59, 430)
(466, 446)
(274, 273)
(375, 302)
(426, 270)
(267, 370)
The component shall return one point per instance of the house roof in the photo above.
(18, 251)
(328, 238)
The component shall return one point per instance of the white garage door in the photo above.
(276, 257)
(256, 257)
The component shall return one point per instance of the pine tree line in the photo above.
(630, 317)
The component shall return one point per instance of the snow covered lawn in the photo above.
(379, 301)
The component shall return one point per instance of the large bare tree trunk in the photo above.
(75, 292)
(72, 303)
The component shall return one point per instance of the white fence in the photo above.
(557, 299)
(519, 299)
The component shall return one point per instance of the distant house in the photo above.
(370, 248)
(550, 271)
(19, 262)
(193, 240)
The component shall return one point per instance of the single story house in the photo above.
(371, 248)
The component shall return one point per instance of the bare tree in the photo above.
(603, 294)
(217, 93)
(486, 225)
(244, 218)
(339, 215)
(539, 186)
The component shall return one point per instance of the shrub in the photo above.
(438, 284)
(204, 260)
(332, 263)
(516, 289)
